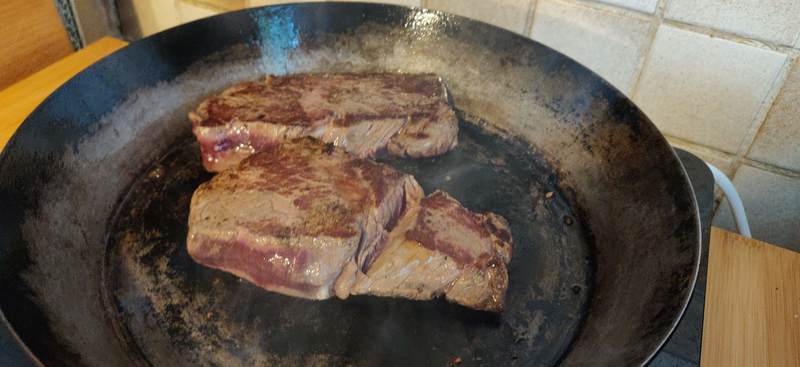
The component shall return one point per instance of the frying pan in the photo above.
(95, 185)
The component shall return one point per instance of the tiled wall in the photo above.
(720, 78)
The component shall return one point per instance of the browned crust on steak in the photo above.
(310, 220)
(411, 110)
(480, 244)
(303, 203)
(276, 99)
(439, 212)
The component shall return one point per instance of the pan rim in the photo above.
(697, 259)
(22, 346)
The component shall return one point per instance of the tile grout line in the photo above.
(793, 49)
(700, 147)
(697, 150)
(766, 105)
(532, 5)
(796, 43)
(792, 175)
(771, 168)
(598, 4)
(656, 20)
(733, 37)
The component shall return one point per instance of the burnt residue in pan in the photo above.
(173, 311)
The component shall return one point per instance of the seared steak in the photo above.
(441, 248)
(290, 218)
(407, 114)
(307, 219)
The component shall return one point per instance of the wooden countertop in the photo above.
(752, 309)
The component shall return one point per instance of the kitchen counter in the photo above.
(746, 307)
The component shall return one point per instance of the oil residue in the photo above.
(176, 312)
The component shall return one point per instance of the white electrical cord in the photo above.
(733, 199)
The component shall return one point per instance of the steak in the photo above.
(441, 248)
(292, 217)
(308, 219)
(405, 114)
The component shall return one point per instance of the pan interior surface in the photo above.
(176, 312)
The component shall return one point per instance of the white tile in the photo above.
(703, 89)
(778, 141)
(610, 43)
(772, 204)
(509, 14)
(771, 20)
(647, 6)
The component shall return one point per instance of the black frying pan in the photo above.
(95, 185)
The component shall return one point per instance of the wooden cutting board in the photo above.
(752, 310)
